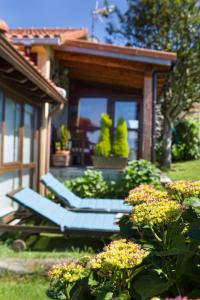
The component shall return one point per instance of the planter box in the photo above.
(61, 159)
(111, 162)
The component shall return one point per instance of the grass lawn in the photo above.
(185, 170)
(48, 247)
(30, 287)
(23, 288)
(52, 246)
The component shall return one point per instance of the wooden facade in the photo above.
(23, 94)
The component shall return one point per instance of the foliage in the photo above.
(103, 147)
(157, 257)
(93, 185)
(120, 144)
(90, 185)
(106, 276)
(161, 226)
(137, 172)
(186, 141)
(63, 138)
(168, 25)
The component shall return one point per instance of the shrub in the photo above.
(90, 185)
(105, 276)
(103, 147)
(160, 259)
(138, 172)
(93, 185)
(64, 136)
(170, 231)
(120, 144)
(186, 140)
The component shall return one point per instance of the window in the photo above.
(8, 182)
(128, 110)
(12, 125)
(90, 110)
(1, 118)
(85, 118)
(28, 143)
(18, 125)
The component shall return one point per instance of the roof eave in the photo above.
(15, 58)
(36, 41)
(110, 54)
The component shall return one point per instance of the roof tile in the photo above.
(62, 33)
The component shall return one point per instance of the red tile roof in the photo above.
(62, 33)
(33, 68)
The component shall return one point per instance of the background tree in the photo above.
(170, 25)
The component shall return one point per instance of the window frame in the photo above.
(19, 165)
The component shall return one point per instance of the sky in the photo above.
(53, 13)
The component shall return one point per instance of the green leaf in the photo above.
(105, 294)
(123, 296)
(194, 231)
(147, 286)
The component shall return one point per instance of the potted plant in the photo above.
(106, 155)
(62, 156)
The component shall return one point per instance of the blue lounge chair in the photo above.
(74, 202)
(102, 224)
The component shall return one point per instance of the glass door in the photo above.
(128, 110)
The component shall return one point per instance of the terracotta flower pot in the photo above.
(61, 158)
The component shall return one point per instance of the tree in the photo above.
(170, 25)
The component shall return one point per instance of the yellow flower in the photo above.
(154, 213)
(70, 272)
(119, 254)
(145, 193)
(184, 188)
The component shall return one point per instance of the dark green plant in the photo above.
(186, 140)
(137, 172)
(120, 143)
(103, 147)
(90, 185)
(172, 268)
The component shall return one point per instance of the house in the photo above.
(122, 81)
(98, 78)
(23, 94)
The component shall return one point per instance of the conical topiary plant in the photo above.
(120, 144)
(103, 147)
(64, 137)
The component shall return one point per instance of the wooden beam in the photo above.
(71, 58)
(126, 82)
(147, 111)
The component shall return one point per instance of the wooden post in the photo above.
(146, 147)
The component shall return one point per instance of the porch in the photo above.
(120, 81)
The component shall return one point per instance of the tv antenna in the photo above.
(99, 13)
